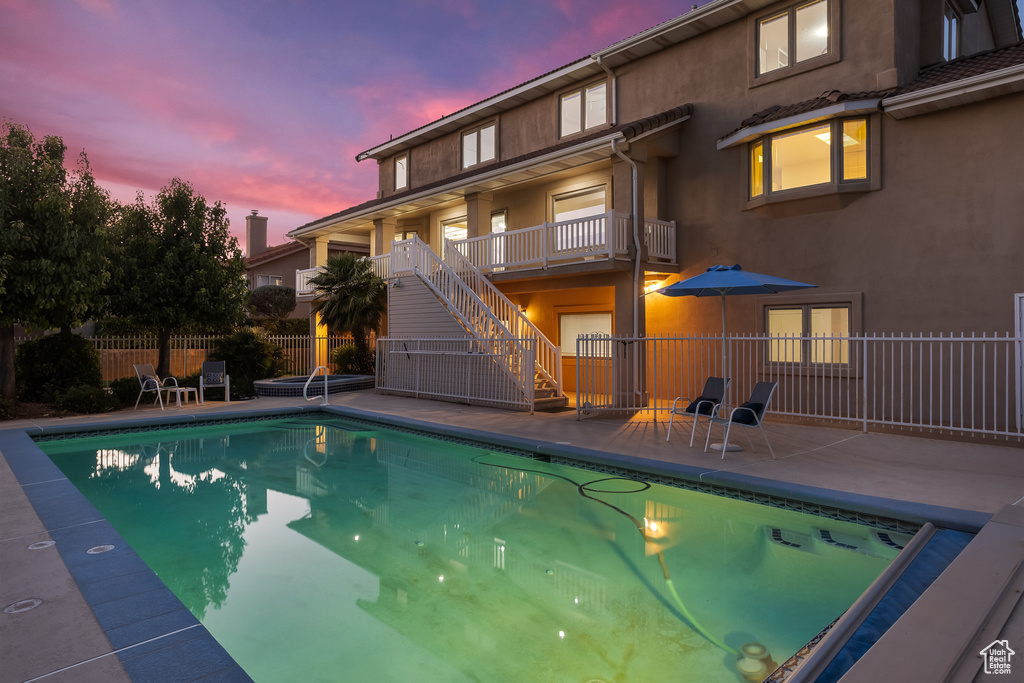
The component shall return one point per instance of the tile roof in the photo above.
(965, 67)
(629, 130)
(274, 252)
(826, 99)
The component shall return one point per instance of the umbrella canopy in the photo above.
(726, 281)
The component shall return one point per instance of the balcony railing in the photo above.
(302, 278)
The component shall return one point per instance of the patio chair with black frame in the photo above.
(704, 405)
(215, 374)
(750, 415)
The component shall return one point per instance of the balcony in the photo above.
(603, 237)
(576, 241)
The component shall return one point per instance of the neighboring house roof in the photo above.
(273, 253)
(580, 145)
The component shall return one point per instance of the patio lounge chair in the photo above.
(215, 374)
(148, 381)
(750, 414)
(704, 405)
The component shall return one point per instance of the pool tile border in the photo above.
(156, 638)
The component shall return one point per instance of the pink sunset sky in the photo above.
(264, 104)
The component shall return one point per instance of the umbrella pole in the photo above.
(725, 347)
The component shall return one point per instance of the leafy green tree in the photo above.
(270, 305)
(351, 298)
(53, 240)
(176, 267)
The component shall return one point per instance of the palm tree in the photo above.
(351, 298)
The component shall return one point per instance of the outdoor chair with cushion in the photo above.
(750, 415)
(148, 381)
(704, 405)
(215, 374)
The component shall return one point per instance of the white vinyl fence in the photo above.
(955, 384)
(119, 354)
(493, 371)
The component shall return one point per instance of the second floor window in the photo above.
(268, 280)
(583, 109)
(795, 35)
(478, 145)
(401, 172)
(807, 156)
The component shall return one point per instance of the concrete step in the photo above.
(549, 403)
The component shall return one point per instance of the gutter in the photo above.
(963, 91)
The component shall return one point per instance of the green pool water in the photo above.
(324, 550)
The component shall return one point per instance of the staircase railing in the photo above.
(548, 356)
(490, 331)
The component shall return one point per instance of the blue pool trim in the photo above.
(158, 639)
(153, 634)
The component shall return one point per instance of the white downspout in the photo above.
(615, 90)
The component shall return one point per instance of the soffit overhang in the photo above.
(845, 108)
(948, 95)
(487, 181)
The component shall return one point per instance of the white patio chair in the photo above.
(704, 405)
(149, 381)
(749, 415)
(215, 374)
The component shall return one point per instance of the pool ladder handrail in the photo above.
(311, 376)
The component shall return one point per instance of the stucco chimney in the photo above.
(255, 233)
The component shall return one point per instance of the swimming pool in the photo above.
(316, 545)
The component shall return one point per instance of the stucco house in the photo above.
(872, 148)
(278, 265)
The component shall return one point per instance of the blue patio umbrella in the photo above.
(726, 281)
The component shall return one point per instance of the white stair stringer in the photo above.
(414, 257)
(549, 356)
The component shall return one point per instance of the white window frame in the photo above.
(807, 63)
(585, 119)
(836, 182)
(602, 325)
(269, 280)
(952, 21)
(401, 172)
(477, 136)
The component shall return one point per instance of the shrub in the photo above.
(48, 366)
(272, 301)
(86, 398)
(347, 361)
(125, 390)
(8, 409)
(249, 357)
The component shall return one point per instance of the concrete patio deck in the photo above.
(62, 639)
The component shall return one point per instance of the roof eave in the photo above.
(836, 110)
(949, 95)
(361, 217)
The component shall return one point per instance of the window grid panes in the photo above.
(583, 109)
(817, 333)
(267, 280)
(796, 35)
(478, 146)
(805, 157)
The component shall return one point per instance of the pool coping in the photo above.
(152, 632)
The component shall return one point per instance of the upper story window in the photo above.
(808, 157)
(268, 280)
(402, 172)
(583, 109)
(794, 36)
(479, 145)
(950, 32)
